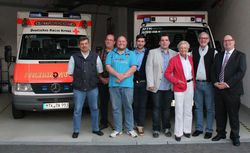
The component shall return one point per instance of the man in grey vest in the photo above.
(84, 66)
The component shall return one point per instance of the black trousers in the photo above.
(227, 105)
(161, 109)
(104, 102)
(140, 103)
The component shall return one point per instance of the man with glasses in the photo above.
(203, 58)
(228, 71)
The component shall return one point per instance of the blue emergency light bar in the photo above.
(38, 14)
(146, 20)
(173, 19)
(54, 15)
(46, 87)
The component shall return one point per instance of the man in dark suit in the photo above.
(229, 69)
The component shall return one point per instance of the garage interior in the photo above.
(224, 17)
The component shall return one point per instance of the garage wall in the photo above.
(7, 28)
(100, 15)
(233, 17)
(8, 31)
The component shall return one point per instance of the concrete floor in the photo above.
(55, 128)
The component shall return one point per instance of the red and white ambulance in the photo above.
(45, 42)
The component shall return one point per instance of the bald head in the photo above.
(110, 42)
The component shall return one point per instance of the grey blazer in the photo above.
(154, 71)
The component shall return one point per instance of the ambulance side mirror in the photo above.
(8, 54)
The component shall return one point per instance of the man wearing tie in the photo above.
(228, 71)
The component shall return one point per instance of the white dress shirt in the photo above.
(187, 68)
(201, 70)
(71, 64)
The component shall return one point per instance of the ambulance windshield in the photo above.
(48, 47)
(176, 34)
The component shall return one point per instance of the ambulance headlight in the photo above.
(23, 87)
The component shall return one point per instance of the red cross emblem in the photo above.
(76, 31)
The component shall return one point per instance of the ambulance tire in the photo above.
(17, 114)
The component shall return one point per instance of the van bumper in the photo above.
(37, 103)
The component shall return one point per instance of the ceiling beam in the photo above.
(22, 5)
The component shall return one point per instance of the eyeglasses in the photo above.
(203, 38)
(228, 40)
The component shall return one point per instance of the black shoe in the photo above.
(168, 133)
(236, 142)
(103, 126)
(207, 135)
(178, 138)
(187, 135)
(156, 134)
(196, 133)
(100, 133)
(75, 135)
(218, 137)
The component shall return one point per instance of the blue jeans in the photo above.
(122, 97)
(204, 95)
(79, 98)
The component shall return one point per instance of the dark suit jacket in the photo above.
(234, 71)
(141, 74)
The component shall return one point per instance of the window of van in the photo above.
(48, 47)
(176, 34)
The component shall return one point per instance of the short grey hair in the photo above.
(183, 42)
(204, 33)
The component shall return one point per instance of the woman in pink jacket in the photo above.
(180, 73)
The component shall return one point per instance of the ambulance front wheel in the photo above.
(17, 114)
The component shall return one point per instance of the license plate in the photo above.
(64, 105)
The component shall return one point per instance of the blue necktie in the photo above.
(221, 76)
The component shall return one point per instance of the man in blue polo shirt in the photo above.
(121, 64)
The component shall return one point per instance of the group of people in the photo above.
(212, 80)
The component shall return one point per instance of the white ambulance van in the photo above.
(45, 42)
